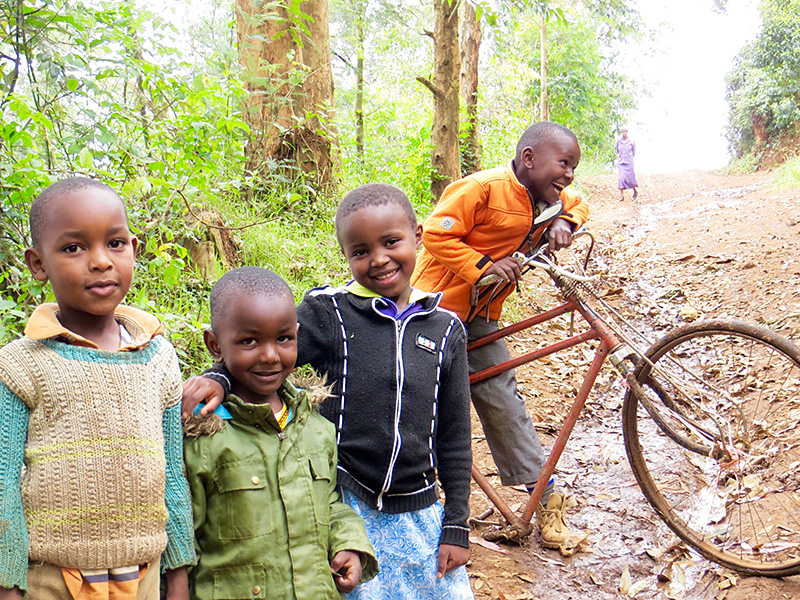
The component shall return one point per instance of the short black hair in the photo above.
(374, 194)
(246, 281)
(541, 133)
(37, 216)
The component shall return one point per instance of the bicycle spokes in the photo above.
(713, 437)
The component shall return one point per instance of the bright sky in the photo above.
(681, 125)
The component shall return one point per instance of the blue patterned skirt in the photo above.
(407, 546)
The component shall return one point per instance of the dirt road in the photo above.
(693, 245)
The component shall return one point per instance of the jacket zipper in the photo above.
(399, 332)
(398, 405)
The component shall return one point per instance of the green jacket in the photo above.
(267, 517)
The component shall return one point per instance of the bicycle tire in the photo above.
(736, 386)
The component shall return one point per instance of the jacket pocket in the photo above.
(245, 500)
(242, 581)
(321, 484)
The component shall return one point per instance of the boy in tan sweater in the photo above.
(89, 402)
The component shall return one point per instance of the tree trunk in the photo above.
(361, 9)
(289, 79)
(544, 108)
(315, 148)
(470, 50)
(445, 161)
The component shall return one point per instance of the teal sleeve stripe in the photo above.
(180, 530)
(93, 355)
(13, 532)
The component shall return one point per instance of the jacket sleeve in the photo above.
(454, 439)
(180, 535)
(198, 477)
(314, 314)
(577, 208)
(13, 531)
(220, 374)
(462, 206)
(347, 530)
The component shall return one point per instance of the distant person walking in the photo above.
(626, 150)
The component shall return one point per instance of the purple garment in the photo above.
(390, 310)
(626, 149)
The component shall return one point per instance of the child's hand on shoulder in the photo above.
(196, 390)
(346, 569)
(13, 594)
(451, 557)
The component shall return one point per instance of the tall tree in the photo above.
(360, 11)
(445, 160)
(284, 48)
(544, 108)
(471, 35)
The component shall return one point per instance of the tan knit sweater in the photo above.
(94, 485)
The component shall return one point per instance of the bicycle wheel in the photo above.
(713, 437)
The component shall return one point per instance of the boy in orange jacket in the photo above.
(474, 230)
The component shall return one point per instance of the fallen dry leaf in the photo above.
(625, 580)
(638, 587)
(479, 541)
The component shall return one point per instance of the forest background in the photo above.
(233, 134)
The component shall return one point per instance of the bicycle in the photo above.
(720, 398)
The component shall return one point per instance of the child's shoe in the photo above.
(552, 523)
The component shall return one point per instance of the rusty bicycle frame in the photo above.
(519, 526)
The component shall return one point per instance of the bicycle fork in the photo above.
(519, 526)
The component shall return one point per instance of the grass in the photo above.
(787, 175)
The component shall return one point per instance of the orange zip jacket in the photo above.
(479, 219)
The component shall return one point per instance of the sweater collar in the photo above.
(359, 290)
(142, 326)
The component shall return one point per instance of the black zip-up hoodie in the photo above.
(400, 399)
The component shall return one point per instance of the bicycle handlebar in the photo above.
(545, 263)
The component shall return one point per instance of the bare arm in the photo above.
(177, 584)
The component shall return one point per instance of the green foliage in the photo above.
(106, 96)
(108, 90)
(787, 175)
(764, 84)
(398, 111)
(584, 91)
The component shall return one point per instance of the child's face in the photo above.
(549, 169)
(380, 245)
(87, 253)
(257, 340)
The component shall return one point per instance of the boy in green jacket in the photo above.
(267, 518)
